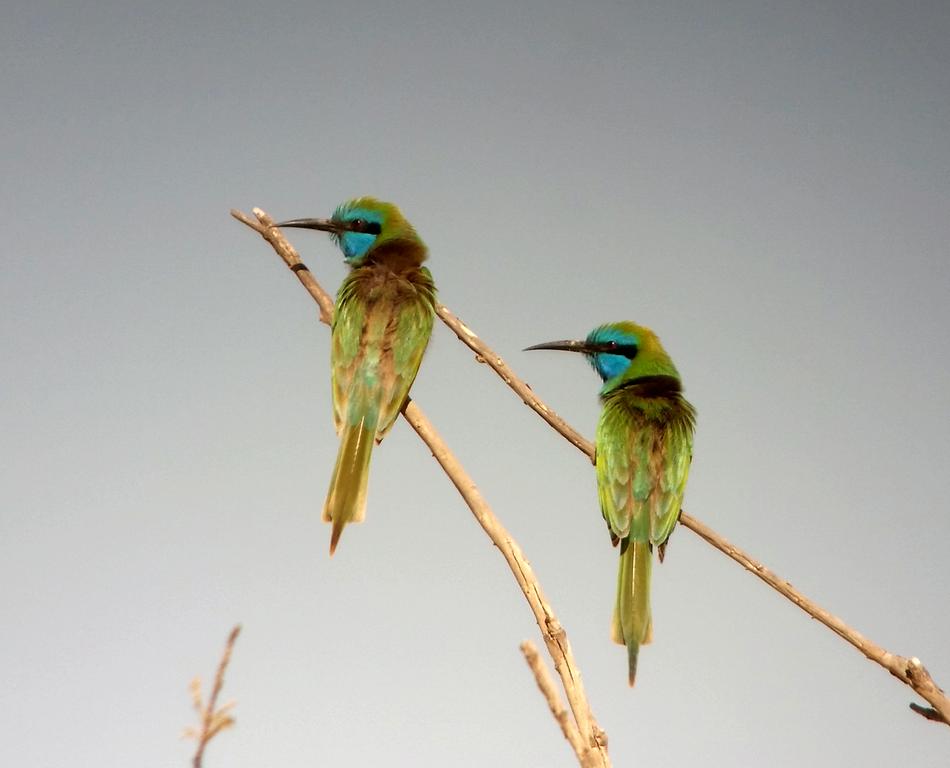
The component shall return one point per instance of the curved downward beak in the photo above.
(324, 225)
(565, 346)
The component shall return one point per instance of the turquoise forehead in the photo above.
(349, 212)
(607, 333)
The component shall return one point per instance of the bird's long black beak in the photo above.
(566, 346)
(324, 225)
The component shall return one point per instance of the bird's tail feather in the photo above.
(346, 499)
(632, 623)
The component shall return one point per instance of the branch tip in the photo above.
(213, 719)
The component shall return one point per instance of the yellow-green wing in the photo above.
(380, 332)
(643, 455)
(621, 467)
(411, 330)
(677, 452)
(348, 320)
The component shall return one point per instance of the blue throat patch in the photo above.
(356, 244)
(608, 366)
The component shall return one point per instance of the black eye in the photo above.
(615, 348)
(362, 225)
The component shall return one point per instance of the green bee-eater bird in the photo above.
(382, 324)
(644, 447)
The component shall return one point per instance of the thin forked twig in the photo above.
(590, 746)
(213, 720)
(907, 670)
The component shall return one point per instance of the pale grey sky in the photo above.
(765, 184)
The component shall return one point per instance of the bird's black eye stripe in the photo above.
(625, 350)
(362, 225)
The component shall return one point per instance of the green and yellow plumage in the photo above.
(383, 320)
(644, 446)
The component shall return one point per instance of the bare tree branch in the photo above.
(928, 712)
(555, 637)
(546, 685)
(908, 670)
(591, 745)
(213, 719)
(485, 354)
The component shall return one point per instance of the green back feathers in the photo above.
(380, 331)
(644, 448)
(384, 315)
